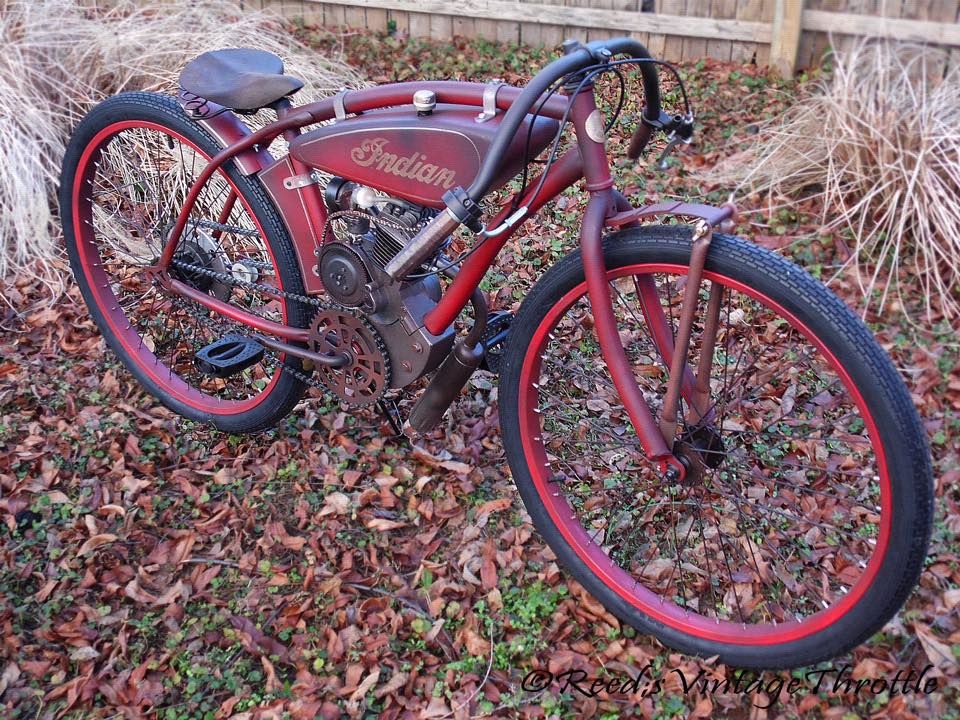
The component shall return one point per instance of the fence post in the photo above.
(787, 18)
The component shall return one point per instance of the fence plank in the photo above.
(573, 30)
(694, 46)
(786, 36)
(441, 27)
(673, 40)
(721, 49)
(377, 19)
(923, 31)
(814, 46)
(763, 49)
(400, 19)
(530, 33)
(739, 30)
(355, 16)
(655, 44)
(464, 27)
(554, 34)
(334, 15)
(746, 10)
(508, 32)
(419, 24)
(620, 20)
(486, 28)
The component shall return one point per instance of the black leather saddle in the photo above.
(238, 78)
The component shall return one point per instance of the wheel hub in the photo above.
(199, 249)
(700, 449)
(363, 380)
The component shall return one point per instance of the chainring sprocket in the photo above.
(364, 380)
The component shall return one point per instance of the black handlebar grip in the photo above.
(578, 57)
(515, 115)
(641, 136)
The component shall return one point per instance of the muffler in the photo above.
(446, 384)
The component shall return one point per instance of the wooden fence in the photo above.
(784, 33)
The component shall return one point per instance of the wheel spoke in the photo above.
(142, 177)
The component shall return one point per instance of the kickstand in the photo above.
(392, 413)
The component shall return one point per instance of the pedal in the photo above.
(228, 356)
(498, 327)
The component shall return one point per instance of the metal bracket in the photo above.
(490, 100)
(295, 182)
(339, 108)
(702, 235)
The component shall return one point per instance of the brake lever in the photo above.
(672, 141)
(680, 131)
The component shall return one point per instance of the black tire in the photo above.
(900, 431)
(165, 111)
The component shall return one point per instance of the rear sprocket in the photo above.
(367, 376)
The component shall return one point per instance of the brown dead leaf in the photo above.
(396, 681)
(353, 703)
(179, 590)
(938, 652)
(255, 640)
(492, 506)
(137, 593)
(436, 709)
(11, 673)
(96, 541)
(382, 524)
(476, 645)
(272, 683)
(335, 504)
(84, 653)
(951, 598)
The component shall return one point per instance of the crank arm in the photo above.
(334, 361)
(257, 323)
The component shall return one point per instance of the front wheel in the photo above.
(803, 521)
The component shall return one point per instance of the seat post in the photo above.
(282, 107)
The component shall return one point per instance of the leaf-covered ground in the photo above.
(152, 567)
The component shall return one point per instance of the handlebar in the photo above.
(463, 206)
(577, 57)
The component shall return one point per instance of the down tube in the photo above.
(564, 173)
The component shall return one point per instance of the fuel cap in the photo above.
(424, 101)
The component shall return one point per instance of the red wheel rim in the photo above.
(99, 281)
(599, 562)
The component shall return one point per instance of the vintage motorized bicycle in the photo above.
(709, 440)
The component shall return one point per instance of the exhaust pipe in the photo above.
(446, 385)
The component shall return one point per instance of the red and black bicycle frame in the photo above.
(303, 211)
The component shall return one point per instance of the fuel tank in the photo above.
(417, 157)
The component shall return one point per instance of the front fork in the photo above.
(656, 438)
(655, 445)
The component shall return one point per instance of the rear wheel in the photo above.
(803, 521)
(126, 173)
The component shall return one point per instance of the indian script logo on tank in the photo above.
(372, 153)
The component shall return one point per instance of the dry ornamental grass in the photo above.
(59, 58)
(879, 146)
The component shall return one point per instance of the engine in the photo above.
(370, 229)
